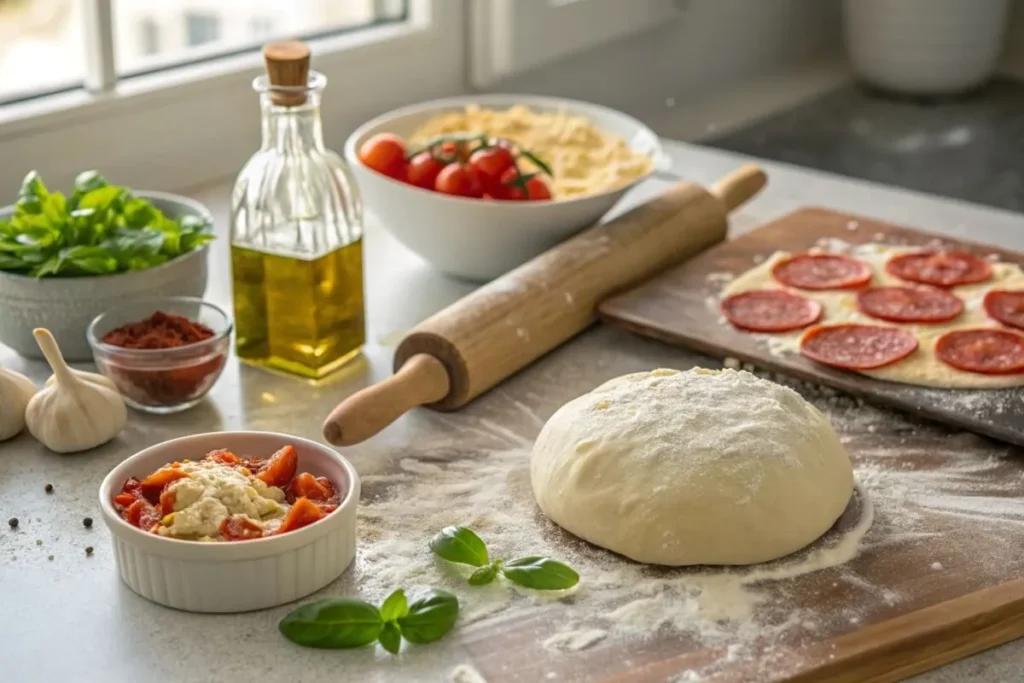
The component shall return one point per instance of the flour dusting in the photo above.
(754, 616)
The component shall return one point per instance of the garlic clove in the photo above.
(93, 377)
(72, 413)
(16, 390)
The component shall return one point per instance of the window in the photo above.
(36, 37)
(261, 27)
(511, 36)
(161, 112)
(149, 37)
(201, 28)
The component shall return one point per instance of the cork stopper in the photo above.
(287, 67)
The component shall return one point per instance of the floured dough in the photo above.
(922, 367)
(696, 467)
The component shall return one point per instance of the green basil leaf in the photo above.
(194, 240)
(333, 623)
(55, 209)
(138, 213)
(193, 224)
(145, 262)
(8, 262)
(459, 544)
(483, 575)
(100, 198)
(51, 266)
(395, 606)
(430, 617)
(540, 573)
(32, 186)
(87, 181)
(391, 638)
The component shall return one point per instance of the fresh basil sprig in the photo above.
(461, 545)
(341, 623)
(98, 230)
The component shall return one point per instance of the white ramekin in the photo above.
(242, 576)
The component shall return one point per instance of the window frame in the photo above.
(512, 36)
(193, 125)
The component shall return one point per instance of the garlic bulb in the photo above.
(72, 414)
(16, 390)
(92, 377)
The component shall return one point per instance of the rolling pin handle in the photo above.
(736, 188)
(423, 379)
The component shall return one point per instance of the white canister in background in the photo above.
(925, 47)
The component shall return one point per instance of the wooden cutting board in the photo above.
(680, 307)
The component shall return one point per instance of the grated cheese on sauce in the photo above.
(215, 491)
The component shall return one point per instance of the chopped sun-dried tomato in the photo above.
(239, 528)
(314, 488)
(141, 514)
(223, 455)
(280, 467)
(167, 502)
(153, 485)
(303, 513)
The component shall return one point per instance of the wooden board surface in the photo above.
(680, 307)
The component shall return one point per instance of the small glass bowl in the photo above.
(163, 381)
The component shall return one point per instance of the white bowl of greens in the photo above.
(66, 259)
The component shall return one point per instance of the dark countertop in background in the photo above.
(970, 147)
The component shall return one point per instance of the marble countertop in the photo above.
(67, 616)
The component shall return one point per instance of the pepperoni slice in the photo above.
(822, 271)
(770, 310)
(922, 304)
(857, 347)
(984, 351)
(1006, 307)
(940, 268)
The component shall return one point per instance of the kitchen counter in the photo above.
(67, 616)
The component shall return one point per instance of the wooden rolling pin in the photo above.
(469, 347)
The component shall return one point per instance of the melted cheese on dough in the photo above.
(922, 367)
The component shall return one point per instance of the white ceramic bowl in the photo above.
(240, 576)
(477, 239)
(66, 305)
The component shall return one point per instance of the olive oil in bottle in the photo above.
(296, 233)
(300, 315)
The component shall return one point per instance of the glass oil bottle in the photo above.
(296, 232)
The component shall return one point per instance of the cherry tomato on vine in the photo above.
(490, 163)
(529, 187)
(385, 153)
(424, 169)
(460, 180)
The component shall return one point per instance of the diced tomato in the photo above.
(123, 500)
(308, 486)
(224, 456)
(153, 485)
(167, 502)
(239, 528)
(280, 468)
(327, 508)
(141, 514)
(303, 513)
(130, 484)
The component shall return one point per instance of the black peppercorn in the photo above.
(87, 522)
(88, 550)
(13, 521)
(49, 488)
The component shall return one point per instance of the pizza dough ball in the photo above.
(697, 467)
